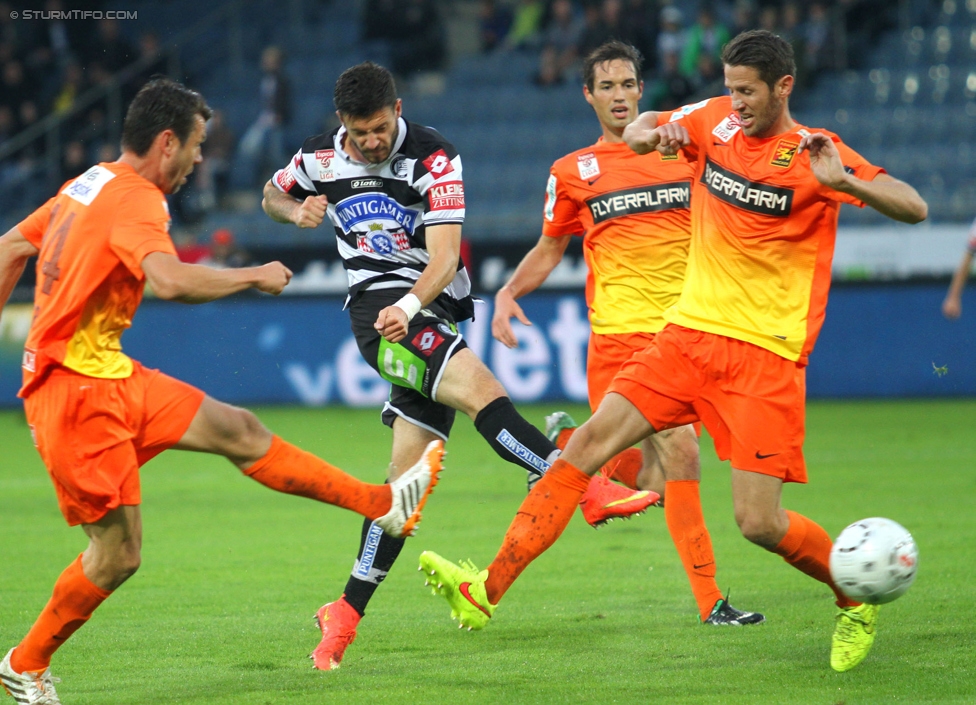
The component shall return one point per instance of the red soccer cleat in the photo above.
(338, 621)
(604, 501)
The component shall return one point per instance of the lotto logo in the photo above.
(427, 341)
(438, 164)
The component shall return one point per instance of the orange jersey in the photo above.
(92, 239)
(633, 213)
(762, 234)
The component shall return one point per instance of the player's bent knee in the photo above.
(760, 530)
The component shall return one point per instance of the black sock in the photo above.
(377, 553)
(514, 438)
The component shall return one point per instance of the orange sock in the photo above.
(806, 547)
(539, 522)
(623, 467)
(686, 523)
(291, 470)
(74, 599)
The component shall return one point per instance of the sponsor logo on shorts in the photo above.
(588, 165)
(367, 183)
(427, 341)
(643, 199)
(29, 361)
(510, 443)
(784, 153)
(446, 196)
(445, 329)
(438, 164)
(739, 191)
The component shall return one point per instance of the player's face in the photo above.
(373, 136)
(759, 107)
(179, 164)
(615, 95)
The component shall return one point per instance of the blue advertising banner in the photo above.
(878, 341)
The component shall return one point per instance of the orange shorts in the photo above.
(605, 355)
(751, 400)
(94, 434)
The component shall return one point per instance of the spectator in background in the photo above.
(709, 75)
(72, 85)
(214, 172)
(769, 18)
(111, 50)
(671, 38)
(494, 21)
(187, 248)
(672, 88)
(603, 24)
(224, 253)
(559, 44)
(263, 143)
(526, 24)
(14, 88)
(74, 161)
(638, 22)
(706, 36)
(818, 48)
(420, 42)
(743, 17)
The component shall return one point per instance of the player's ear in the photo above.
(168, 142)
(398, 108)
(640, 90)
(587, 94)
(784, 86)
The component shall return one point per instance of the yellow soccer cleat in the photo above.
(853, 636)
(462, 586)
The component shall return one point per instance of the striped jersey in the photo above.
(381, 211)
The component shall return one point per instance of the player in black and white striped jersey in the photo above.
(393, 190)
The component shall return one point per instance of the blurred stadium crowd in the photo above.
(487, 73)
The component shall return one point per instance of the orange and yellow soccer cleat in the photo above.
(605, 501)
(338, 621)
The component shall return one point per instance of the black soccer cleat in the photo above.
(724, 614)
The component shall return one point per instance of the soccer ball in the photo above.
(874, 560)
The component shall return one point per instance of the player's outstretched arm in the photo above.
(444, 248)
(885, 194)
(15, 250)
(534, 268)
(286, 209)
(952, 306)
(173, 280)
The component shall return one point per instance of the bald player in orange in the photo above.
(95, 414)
(765, 204)
(634, 215)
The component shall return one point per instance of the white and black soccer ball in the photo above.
(874, 560)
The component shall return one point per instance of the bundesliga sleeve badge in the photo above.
(588, 166)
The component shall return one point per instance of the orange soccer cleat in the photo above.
(605, 501)
(338, 621)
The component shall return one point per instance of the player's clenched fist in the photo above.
(671, 138)
(392, 323)
(272, 278)
(311, 212)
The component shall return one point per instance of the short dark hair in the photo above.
(769, 54)
(364, 89)
(161, 104)
(611, 51)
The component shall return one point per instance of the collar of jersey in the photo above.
(401, 136)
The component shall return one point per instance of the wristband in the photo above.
(410, 305)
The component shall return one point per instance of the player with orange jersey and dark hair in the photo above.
(634, 215)
(765, 204)
(96, 415)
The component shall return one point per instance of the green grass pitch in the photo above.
(221, 611)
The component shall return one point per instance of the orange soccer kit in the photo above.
(738, 339)
(96, 415)
(634, 215)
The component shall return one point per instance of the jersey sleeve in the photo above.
(856, 165)
(141, 227)
(293, 179)
(438, 179)
(694, 118)
(34, 226)
(561, 213)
